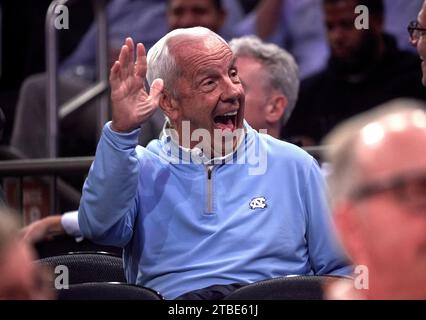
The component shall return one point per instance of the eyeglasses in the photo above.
(415, 31)
(407, 189)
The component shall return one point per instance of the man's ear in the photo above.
(348, 225)
(169, 106)
(275, 108)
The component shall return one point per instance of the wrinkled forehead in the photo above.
(190, 51)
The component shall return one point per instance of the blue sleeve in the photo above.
(108, 205)
(325, 253)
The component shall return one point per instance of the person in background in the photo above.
(20, 277)
(417, 31)
(365, 69)
(398, 13)
(378, 195)
(298, 26)
(270, 79)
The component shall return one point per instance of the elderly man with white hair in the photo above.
(198, 217)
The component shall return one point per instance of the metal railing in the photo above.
(48, 167)
(62, 166)
(56, 113)
(58, 166)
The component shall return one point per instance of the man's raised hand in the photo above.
(131, 104)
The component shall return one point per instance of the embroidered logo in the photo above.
(258, 203)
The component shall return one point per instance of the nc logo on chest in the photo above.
(258, 203)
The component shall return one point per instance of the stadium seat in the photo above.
(284, 288)
(87, 267)
(107, 291)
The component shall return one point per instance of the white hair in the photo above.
(162, 63)
(344, 142)
(279, 64)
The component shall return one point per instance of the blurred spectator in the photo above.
(20, 277)
(398, 13)
(365, 69)
(297, 25)
(378, 190)
(417, 30)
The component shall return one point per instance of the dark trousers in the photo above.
(216, 292)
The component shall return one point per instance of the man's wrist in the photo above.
(118, 129)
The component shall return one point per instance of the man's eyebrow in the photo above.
(203, 74)
(206, 72)
(232, 62)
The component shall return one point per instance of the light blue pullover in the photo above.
(188, 226)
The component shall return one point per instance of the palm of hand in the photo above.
(131, 104)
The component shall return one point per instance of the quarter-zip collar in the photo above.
(175, 153)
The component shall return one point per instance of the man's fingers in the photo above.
(156, 90)
(123, 59)
(131, 55)
(141, 64)
(114, 76)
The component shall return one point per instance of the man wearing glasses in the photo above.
(379, 200)
(417, 29)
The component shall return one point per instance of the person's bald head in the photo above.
(162, 57)
(393, 144)
(362, 147)
(378, 189)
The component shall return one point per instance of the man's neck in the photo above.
(211, 147)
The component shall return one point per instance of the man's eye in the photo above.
(208, 84)
(233, 74)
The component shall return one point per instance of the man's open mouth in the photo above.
(226, 121)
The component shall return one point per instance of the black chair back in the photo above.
(87, 267)
(107, 291)
(284, 288)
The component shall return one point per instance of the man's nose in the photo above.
(231, 91)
